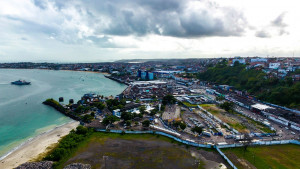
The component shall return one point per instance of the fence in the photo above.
(227, 159)
(261, 143)
(159, 133)
(218, 147)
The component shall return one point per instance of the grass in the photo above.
(101, 137)
(258, 125)
(265, 157)
(212, 108)
(189, 104)
(155, 156)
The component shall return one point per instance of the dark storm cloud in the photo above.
(163, 17)
(171, 18)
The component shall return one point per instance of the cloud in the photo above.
(176, 18)
(262, 34)
(278, 21)
(277, 27)
(184, 19)
(24, 39)
(40, 3)
(93, 29)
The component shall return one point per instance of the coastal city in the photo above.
(197, 104)
(171, 98)
(159, 84)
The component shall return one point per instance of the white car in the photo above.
(293, 133)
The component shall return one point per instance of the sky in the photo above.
(109, 30)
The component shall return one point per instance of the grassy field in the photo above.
(212, 108)
(189, 104)
(233, 119)
(140, 151)
(221, 114)
(266, 157)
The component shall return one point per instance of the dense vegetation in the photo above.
(55, 104)
(68, 145)
(113, 104)
(271, 89)
(168, 99)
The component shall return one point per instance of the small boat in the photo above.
(20, 82)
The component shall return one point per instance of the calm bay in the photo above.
(22, 114)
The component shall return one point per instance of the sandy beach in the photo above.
(36, 146)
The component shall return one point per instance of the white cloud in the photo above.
(77, 30)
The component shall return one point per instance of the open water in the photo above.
(22, 114)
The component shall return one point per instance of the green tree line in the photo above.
(283, 92)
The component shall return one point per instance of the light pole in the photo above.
(104, 158)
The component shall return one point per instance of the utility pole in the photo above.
(104, 158)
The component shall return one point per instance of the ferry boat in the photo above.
(20, 82)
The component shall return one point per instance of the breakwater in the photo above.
(57, 106)
(116, 79)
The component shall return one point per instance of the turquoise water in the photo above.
(22, 114)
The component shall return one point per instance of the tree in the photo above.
(110, 119)
(93, 114)
(81, 130)
(126, 116)
(146, 123)
(128, 123)
(168, 99)
(182, 126)
(176, 124)
(87, 118)
(197, 129)
(220, 98)
(153, 112)
(246, 142)
(227, 106)
(99, 105)
(142, 109)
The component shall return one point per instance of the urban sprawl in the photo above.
(168, 96)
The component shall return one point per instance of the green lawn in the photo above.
(265, 157)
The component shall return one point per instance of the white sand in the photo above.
(36, 146)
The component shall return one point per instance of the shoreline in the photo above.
(33, 147)
(89, 71)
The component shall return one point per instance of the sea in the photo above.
(22, 114)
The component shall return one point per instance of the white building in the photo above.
(274, 65)
(259, 60)
(240, 60)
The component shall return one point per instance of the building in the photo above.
(150, 76)
(239, 60)
(274, 65)
(145, 75)
(259, 60)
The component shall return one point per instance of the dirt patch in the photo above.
(240, 163)
(141, 153)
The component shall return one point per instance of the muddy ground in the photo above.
(141, 153)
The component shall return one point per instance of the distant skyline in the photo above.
(109, 30)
